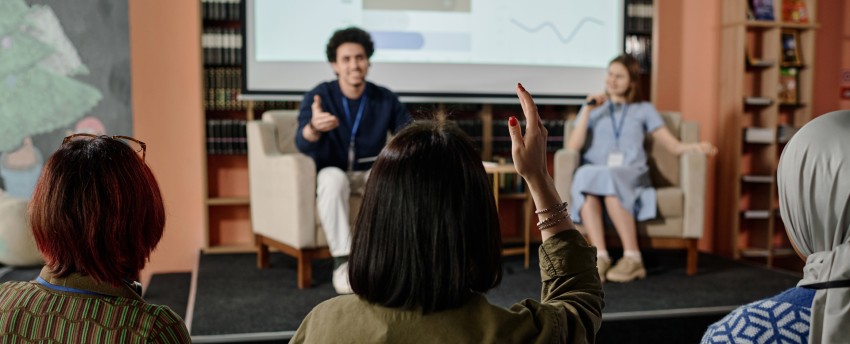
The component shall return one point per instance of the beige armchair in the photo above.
(283, 194)
(680, 185)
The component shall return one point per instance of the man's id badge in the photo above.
(616, 158)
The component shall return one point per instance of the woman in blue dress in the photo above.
(614, 173)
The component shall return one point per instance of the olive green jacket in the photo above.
(569, 310)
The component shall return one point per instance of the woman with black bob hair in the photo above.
(427, 246)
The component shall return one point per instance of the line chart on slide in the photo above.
(565, 39)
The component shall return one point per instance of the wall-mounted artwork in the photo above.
(64, 68)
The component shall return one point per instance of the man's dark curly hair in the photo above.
(350, 35)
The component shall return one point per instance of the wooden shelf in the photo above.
(513, 196)
(762, 179)
(228, 201)
(764, 253)
(758, 101)
(770, 24)
(750, 109)
(755, 214)
(224, 249)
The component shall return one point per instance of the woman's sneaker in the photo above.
(602, 266)
(626, 270)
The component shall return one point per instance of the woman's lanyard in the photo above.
(618, 130)
(354, 126)
(65, 289)
(616, 157)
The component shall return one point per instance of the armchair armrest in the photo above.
(566, 162)
(693, 179)
(283, 189)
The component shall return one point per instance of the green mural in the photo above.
(38, 93)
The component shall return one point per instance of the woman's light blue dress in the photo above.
(630, 181)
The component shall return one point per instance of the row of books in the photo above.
(223, 86)
(502, 139)
(640, 47)
(221, 9)
(509, 183)
(639, 16)
(222, 46)
(227, 136)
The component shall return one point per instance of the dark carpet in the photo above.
(8, 273)
(171, 289)
(233, 296)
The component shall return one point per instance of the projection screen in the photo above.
(437, 50)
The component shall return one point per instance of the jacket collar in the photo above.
(78, 281)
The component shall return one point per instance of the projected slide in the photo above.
(496, 32)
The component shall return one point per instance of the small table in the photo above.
(504, 168)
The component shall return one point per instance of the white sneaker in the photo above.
(340, 279)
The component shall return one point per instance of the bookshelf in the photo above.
(637, 39)
(227, 208)
(765, 95)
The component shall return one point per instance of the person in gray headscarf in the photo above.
(814, 202)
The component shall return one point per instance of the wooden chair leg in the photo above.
(305, 270)
(693, 255)
(262, 252)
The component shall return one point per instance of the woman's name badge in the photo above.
(616, 158)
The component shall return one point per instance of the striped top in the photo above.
(86, 313)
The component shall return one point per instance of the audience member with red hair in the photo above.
(96, 215)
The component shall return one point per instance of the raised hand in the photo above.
(322, 121)
(529, 151)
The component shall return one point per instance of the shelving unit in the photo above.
(228, 224)
(638, 38)
(752, 59)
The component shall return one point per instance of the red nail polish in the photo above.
(512, 121)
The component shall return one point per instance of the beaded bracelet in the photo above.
(556, 208)
(554, 218)
(557, 219)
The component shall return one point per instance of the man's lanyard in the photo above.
(618, 130)
(354, 126)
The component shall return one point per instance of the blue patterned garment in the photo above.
(783, 318)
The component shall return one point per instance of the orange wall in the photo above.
(687, 74)
(166, 82)
(833, 54)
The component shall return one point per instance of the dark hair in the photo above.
(428, 233)
(633, 67)
(96, 210)
(349, 35)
